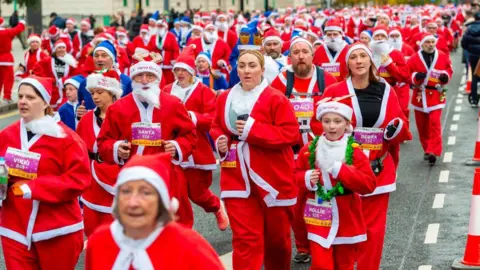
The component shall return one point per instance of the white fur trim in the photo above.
(193, 117)
(184, 66)
(145, 66)
(39, 87)
(298, 40)
(388, 62)
(72, 82)
(395, 31)
(222, 158)
(204, 57)
(337, 166)
(379, 32)
(27, 192)
(425, 38)
(249, 47)
(147, 174)
(115, 153)
(395, 134)
(34, 38)
(333, 28)
(179, 152)
(272, 38)
(106, 83)
(334, 107)
(246, 130)
(60, 44)
(70, 21)
(356, 47)
(105, 50)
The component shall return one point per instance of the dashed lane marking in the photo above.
(453, 127)
(458, 108)
(444, 176)
(451, 140)
(425, 267)
(438, 201)
(226, 260)
(456, 117)
(459, 101)
(432, 233)
(448, 157)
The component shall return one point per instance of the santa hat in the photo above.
(205, 55)
(162, 23)
(109, 81)
(121, 32)
(334, 25)
(357, 46)
(53, 31)
(34, 37)
(313, 31)
(221, 15)
(86, 22)
(250, 38)
(107, 47)
(58, 44)
(210, 25)
(198, 26)
(326, 106)
(42, 84)
(154, 169)
(425, 37)
(146, 66)
(75, 81)
(154, 16)
(431, 23)
(395, 30)
(144, 28)
(2, 21)
(367, 33)
(206, 16)
(270, 35)
(299, 39)
(186, 59)
(70, 21)
(380, 30)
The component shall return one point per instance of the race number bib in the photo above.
(303, 108)
(22, 164)
(383, 72)
(434, 76)
(231, 160)
(369, 138)
(333, 69)
(146, 134)
(318, 214)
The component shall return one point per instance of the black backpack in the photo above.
(320, 81)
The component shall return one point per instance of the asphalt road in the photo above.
(421, 233)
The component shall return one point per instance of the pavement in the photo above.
(428, 214)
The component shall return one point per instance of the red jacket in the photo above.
(270, 132)
(442, 44)
(138, 42)
(219, 52)
(63, 175)
(230, 37)
(407, 51)
(347, 226)
(6, 36)
(31, 59)
(426, 97)
(167, 46)
(200, 104)
(48, 45)
(335, 65)
(353, 27)
(395, 70)
(390, 111)
(77, 45)
(175, 247)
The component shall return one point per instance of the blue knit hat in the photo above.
(107, 47)
(250, 38)
(205, 55)
(176, 21)
(186, 19)
(368, 33)
(155, 16)
(75, 81)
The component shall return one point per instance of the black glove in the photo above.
(392, 128)
(420, 76)
(443, 78)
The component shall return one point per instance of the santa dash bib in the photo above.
(332, 68)
(303, 107)
(383, 72)
(318, 213)
(23, 164)
(434, 75)
(231, 159)
(146, 134)
(369, 138)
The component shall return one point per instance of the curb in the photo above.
(457, 265)
(8, 108)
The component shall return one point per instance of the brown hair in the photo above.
(49, 109)
(255, 53)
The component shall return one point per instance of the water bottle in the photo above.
(3, 179)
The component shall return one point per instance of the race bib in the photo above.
(434, 76)
(303, 108)
(318, 214)
(146, 134)
(333, 69)
(231, 159)
(369, 138)
(383, 72)
(22, 164)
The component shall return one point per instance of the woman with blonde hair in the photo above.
(254, 129)
(379, 122)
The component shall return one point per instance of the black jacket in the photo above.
(471, 39)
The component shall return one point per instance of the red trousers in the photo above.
(430, 131)
(199, 182)
(93, 219)
(60, 253)
(179, 190)
(299, 227)
(338, 257)
(374, 209)
(6, 81)
(261, 234)
(168, 76)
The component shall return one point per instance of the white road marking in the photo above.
(453, 127)
(463, 80)
(456, 117)
(432, 233)
(460, 95)
(444, 176)
(438, 201)
(452, 140)
(425, 267)
(448, 157)
(459, 101)
(458, 108)
(226, 260)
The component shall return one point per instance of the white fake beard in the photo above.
(396, 43)
(222, 26)
(319, 22)
(334, 44)
(69, 60)
(151, 96)
(211, 37)
(46, 125)
(380, 47)
(328, 152)
(161, 32)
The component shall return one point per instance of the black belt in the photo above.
(346, 191)
(94, 156)
(431, 88)
(377, 164)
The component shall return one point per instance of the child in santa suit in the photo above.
(431, 71)
(41, 224)
(151, 240)
(68, 110)
(146, 122)
(199, 100)
(334, 171)
(97, 199)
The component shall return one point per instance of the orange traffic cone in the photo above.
(468, 86)
(475, 161)
(471, 259)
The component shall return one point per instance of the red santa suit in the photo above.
(353, 27)
(427, 99)
(168, 47)
(230, 37)
(6, 57)
(48, 44)
(259, 199)
(334, 65)
(31, 58)
(77, 44)
(199, 100)
(47, 219)
(219, 51)
(334, 239)
(128, 117)
(139, 42)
